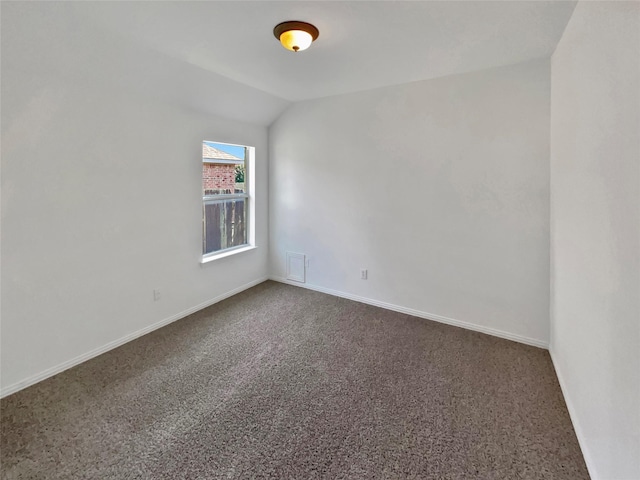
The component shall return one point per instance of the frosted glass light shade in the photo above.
(296, 40)
(295, 36)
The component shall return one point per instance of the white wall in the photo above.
(440, 188)
(101, 187)
(595, 232)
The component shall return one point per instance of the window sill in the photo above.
(227, 253)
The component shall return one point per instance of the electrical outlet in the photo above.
(364, 273)
(156, 295)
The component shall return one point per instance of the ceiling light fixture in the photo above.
(295, 36)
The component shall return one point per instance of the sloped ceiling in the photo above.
(362, 44)
(204, 47)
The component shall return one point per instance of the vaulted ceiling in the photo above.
(228, 45)
(362, 45)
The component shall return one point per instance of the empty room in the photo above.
(320, 239)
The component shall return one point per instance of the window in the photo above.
(226, 198)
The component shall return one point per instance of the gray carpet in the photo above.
(282, 382)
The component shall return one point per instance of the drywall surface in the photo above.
(101, 192)
(439, 188)
(595, 231)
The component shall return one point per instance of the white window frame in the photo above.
(249, 196)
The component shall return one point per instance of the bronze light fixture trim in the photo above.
(294, 35)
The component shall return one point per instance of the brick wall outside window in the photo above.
(218, 177)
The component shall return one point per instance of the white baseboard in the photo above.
(588, 460)
(132, 336)
(50, 372)
(417, 313)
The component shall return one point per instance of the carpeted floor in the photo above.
(282, 382)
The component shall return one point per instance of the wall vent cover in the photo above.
(296, 270)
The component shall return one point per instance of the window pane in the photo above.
(223, 168)
(225, 224)
(225, 220)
